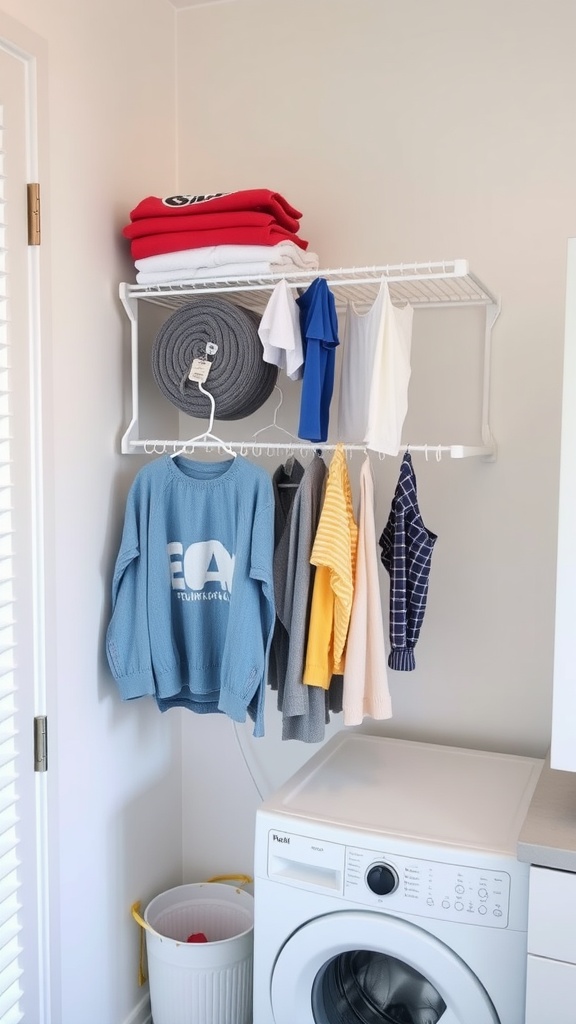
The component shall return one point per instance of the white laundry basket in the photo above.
(200, 983)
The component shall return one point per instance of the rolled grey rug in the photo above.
(239, 379)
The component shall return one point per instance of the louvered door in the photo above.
(21, 790)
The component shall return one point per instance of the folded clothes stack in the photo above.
(229, 234)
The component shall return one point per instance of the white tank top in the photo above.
(391, 375)
(361, 331)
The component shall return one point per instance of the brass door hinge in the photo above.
(40, 743)
(34, 237)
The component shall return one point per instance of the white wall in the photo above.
(410, 132)
(405, 132)
(114, 771)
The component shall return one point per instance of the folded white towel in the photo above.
(204, 273)
(216, 255)
(224, 270)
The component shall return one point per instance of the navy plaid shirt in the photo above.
(406, 553)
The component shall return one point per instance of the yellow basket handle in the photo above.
(135, 911)
(144, 926)
(241, 879)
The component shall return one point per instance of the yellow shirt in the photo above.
(334, 555)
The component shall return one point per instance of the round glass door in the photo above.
(364, 987)
(359, 967)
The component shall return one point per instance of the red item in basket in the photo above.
(197, 937)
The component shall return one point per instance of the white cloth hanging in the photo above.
(280, 333)
(361, 331)
(366, 690)
(389, 389)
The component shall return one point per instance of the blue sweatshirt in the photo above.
(192, 593)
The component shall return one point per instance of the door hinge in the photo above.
(34, 237)
(40, 743)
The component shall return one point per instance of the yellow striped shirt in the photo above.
(334, 555)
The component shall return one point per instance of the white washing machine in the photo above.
(387, 887)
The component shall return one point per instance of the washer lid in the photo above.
(447, 795)
(436, 985)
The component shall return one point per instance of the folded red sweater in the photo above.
(153, 245)
(261, 199)
(205, 222)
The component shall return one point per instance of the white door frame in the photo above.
(25, 47)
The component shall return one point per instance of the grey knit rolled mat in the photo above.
(239, 379)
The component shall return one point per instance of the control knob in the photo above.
(382, 879)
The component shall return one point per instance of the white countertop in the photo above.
(548, 835)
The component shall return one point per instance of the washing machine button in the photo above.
(382, 879)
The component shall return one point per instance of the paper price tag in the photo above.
(199, 370)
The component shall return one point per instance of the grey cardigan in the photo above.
(305, 709)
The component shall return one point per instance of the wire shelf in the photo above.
(447, 283)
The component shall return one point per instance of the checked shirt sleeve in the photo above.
(406, 554)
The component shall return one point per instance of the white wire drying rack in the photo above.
(420, 284)
(443, 284)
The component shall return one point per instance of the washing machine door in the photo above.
(358, 967)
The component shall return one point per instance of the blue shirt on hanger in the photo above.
(319, 327)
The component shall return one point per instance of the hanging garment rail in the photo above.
(270, 449)
(445, 284)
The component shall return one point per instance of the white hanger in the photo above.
(207, 435)
(274, 425)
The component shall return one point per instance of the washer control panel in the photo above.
(378, 879)
(427, 888)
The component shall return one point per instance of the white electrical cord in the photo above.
(261, 784)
